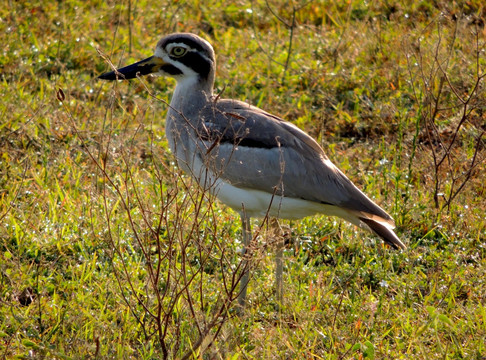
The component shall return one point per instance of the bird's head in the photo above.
(180, 55)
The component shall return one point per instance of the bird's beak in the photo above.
(144, 67)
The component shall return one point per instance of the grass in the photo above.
(108, 251)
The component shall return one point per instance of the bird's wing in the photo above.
(253, 149)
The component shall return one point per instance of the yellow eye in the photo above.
(178, 51)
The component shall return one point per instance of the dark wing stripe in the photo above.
(237, 134)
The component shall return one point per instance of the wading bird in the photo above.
(253, 161)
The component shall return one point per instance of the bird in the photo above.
(253, 161)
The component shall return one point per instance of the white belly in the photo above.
(257, 203)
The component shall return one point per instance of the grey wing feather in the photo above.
(261, 151)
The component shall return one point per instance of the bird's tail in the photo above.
(383, 227)
(384, 230)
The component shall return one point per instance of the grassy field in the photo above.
(107, 251)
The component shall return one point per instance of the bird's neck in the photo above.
(191, 94)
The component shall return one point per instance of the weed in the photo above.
(108, 251)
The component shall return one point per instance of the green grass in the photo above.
(99, 231)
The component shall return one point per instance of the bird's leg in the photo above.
(278, 262)
(246, 234)
(279, 272)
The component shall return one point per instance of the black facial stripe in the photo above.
(196, 62)
(184, 40)
(170, 69)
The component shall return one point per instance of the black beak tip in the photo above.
(140, 68)
(111, 76)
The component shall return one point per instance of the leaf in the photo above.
(60, 95)
(30, 343)
(368, 350)
(431, 310)
(445, 320)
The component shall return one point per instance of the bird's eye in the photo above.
(178, 51)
